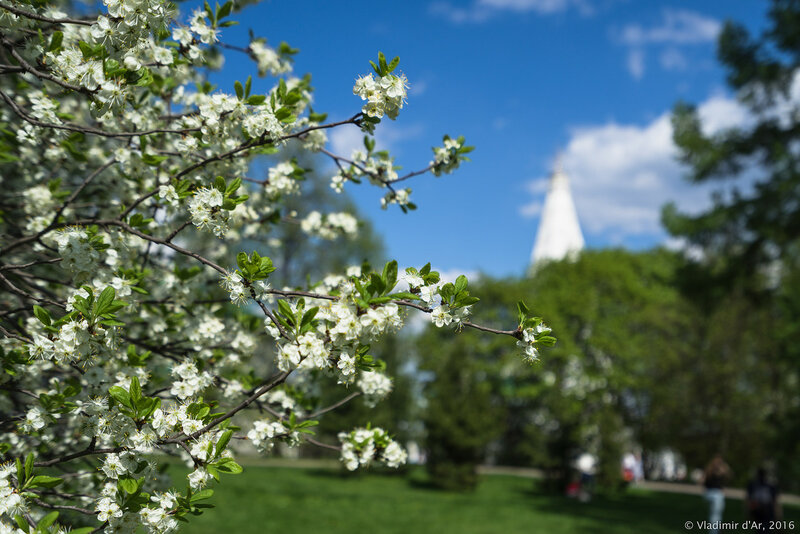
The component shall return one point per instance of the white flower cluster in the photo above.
(44, 108)
(73, 344)
(38, 201)
(262, 121)
(107, 509)
(281, 181)
(263, 432)
(34, 420)
(399, 197)
(168, 193)
(384, 95)
(189, 381)
(446, 159)
(109, 426)
(363, 445)
(375, 387)
(131, 20)
(330, 226)
(286, 402)
(174, 419)
(11, 502)
(158, 520)
(308, 348)
(232, 283)
(379, 170)
(443, 316)
(269, 62)
(205, 207)
(528, 341)
(77, 253)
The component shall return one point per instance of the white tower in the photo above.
(559, 235)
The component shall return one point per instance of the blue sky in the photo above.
(523, 80)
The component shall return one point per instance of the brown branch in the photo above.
(261, 141)
(39, 74)
(323, 445)
(63, 507)
(86, 129)
(42, 18)
(88, 451)
(268, 386)
(26, 265)
(333, 406)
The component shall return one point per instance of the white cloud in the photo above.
(673, 59)
(621, 175)
(678, 27)
(483, 10)
(418, 88)
(635, 63)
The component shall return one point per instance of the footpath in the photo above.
(652, 485)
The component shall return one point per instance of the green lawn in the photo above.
(289, 500)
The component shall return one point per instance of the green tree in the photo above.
(461, 416)
(618, 320)
(745, 279)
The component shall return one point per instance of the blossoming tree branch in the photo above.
(135, 324)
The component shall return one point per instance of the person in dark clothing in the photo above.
(762, 499)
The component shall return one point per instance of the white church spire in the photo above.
(559, 233)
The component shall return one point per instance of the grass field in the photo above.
(292, 501)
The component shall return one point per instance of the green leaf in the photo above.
(461, 283)
(20, 471)
(393, 64)
(237, 85)
(28, 465)
(135, 390)
(286, 311)
(45, 522)
(104, 301)
(390, 275)
(547, 341)
(247, 86)
(223, 442)
(256, 100)
(219, 183)
(403, 295)
(241, 261)
(55, 41)
(202, 495)
(225, 10)
(228, 465)
(44, 481)
(120, 395)
(375, 68)
(382, 62)
(128, 485)
(22, 523)
(309, 315)
(42, 315)
(152, 160)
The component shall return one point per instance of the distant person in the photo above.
(762, 500)
(628, 467)
(715, 476)
(587, 465)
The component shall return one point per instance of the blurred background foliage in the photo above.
(695, 349)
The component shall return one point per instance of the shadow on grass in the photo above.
(638, 510)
